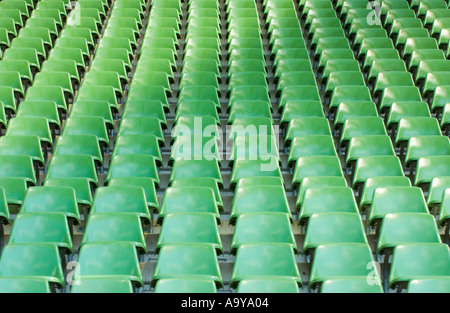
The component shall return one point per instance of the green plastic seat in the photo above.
(48, 93)
(301, 109)
(391, 79)
(440, 98)
(68, 66)
(201, 182)
(15, 190)
(24, 285)
(138, 144)
(82, 165)
(4, 210)
(80, 185)
(385, 65)
(113, 228)
(114, 199)
(33, 260)
(424, 146)
(374, 43)
(310, 145)
(23, 145)
(201, 65)
(335, 261)
(8, 22)
(406, 109)
(294, 79)
(125, 267)
(287, 65)
(253, 147)
(348, 93)
(406, 228)
(185, 285)
(423, 54)
(21, 66)
(372, 183)
(431, 82)
(196, 92)
(79, 144)
(379, 54)
(267, 285)
(332, 228)
(195, 148)
(177, 199)
(36, 126)
(338, 66)
(145, 108)
(438, 185)
(254, 168)
(246, 79)
(274, 261)
(353, 109)
(311, 166)
(254, 199)
(199, 78)
(181, 228)
(251, 228)
(260, 181)
(429, 285)
(350, 285)
(297, 93)
(416, 126)
(430, 167)
(369, 145)
(395, 199)
(293, 53)
(99, 93)
(196, 168)
(34, 228)
(142, 126)
(148, 184)
(418, 261)
(195, 125)
(8, 99)
(398, 93)
(12, 79)
(15, 14)
(187, 261)
(372, 166)
(249, 109)
(326, 199)
(361, 126)
(334, 53)
(104, 79)
(317, 181)
(133, 166)
(88, 125)
(101, 285)
(339, 79)
(74, 54)
(75, 42)
(95, 109)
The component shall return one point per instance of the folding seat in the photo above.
(297, 93)
(249, 109)
(417, 261)
(405, 109)
(430, 167)
(370, 145)
(196, 92)
(246, 79)
(33, 228)
(288, 65)
(24, 285)
(127, 228)
(332, 228)
(353, 109)
(341, 79)
(21, 66)
(52, 13)
(88, 125)
(116, 39)
(311, 166)
(300, 109)
(68, 66)
(423, 146)
(246, 53)
(139, 165)
(413, 44)
(145, 108)
(79, 144)
(93, 109)
(396, 94)
(181, 228)
(59, 79)
(114, 54)
(274, 261)
(254, 168)
(330, 43)
(349, 285)
(117, 66)
(251, 228)
(287, 54)
(199, 79)
(48, 93)
(395, 199)
(27, 41)
(27, 54)
(326, 33)
(333, 53)
(74, 54)
(138, 144)
(374, 43)
(36, 126)
(379, 54)
(361, 126)
(423, 54)
(287, 32)
(348, 93)
(310, 145)
(416, 126)
(111, 265)
(348, 260)
(23, 145)
(156, 21)
(104, 79)
(99, 284)
(338, 66)
(185, 284)
(141, 126)
(295, 78)
(284, 22)
(372, 166)
(254, 199)
(390, 79)
(53, 200)
(71, 31)
(429, 285)
(33, 260)
(164, 50)
(173, 262)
